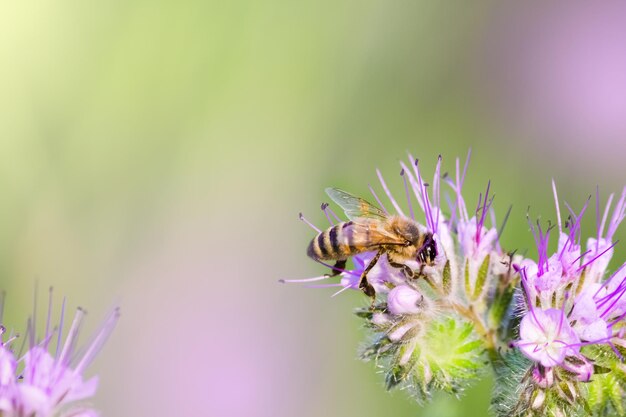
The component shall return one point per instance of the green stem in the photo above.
(487, 334)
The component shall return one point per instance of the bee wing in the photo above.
(353, 206)
(371, 233)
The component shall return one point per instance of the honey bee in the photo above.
(371, 229)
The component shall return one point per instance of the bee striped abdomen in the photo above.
(332, 243)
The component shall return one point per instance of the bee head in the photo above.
(428, 252)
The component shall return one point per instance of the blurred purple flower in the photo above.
(42, 383)
(561, 67)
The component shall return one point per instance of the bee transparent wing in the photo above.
(370, 234)
(355, 207)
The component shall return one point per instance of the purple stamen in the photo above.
(598, 217)
(436, 189)
(380, 203)
(556, 203)
(580, 257)
(452, 206)
(541, 241)
(424, 193)
(519, 343)
(597, 256)
(10, 340)
(610, 307)
(48, 319)
(613, 275)
(311, 225)
(298, 281)
(432, 224)
(531, 307)
(504, 221)
(408, 196)
(485, 206)
(459, 203)
(574, 230)
(324, 206)
(469, 154)
(617, 320)
(389, 195)
(28, 326)
(619, 355)
(618, 215)
(72, 335)
(576, 226)
(332, 212)
(605, 216)
(346, 287)
(98, 342)
(32, 336)
(413, 181)
(56, 354)
(492, 216)
(589, 342)
(336, 284)
(334, 268)
(2, 298)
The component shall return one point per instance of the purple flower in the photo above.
(435, 310)
(547, 337)
(51, 382)
(569, 304)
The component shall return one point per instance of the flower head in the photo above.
(596, 307)
(573, 313)
(436, 317)
(425, 310)
(46, 382)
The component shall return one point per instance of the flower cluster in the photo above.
(552, 327)
(572, 316)
(46, 381)
(433, 323)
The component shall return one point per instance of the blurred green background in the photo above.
(156, 155)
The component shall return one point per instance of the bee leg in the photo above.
(337, 268)
(408, 272)
(421, 273)
(363, 283)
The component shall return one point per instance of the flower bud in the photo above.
(540, 397)
(580, 366)
(543, 377)
(404, 300)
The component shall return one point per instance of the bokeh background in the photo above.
(156, 154)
